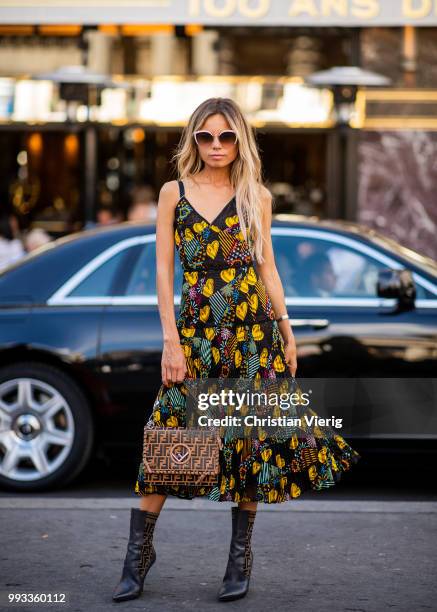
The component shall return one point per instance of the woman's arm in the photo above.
(272, 281)
(173, 364)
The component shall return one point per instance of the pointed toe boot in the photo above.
(238, 570)
(140, 555)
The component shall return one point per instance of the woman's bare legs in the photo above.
(155, 501)
(152, 502)
(248, 506)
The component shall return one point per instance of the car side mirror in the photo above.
(398, 284)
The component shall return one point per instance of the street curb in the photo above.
(296, 505)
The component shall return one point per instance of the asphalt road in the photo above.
(366, 545)
(312, 555)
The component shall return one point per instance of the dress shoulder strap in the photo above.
(181, 188)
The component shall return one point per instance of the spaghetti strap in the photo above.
(181, 189)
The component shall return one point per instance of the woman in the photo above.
(232, 323)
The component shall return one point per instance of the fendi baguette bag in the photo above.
(180, 456)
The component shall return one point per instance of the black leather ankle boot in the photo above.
(237, 575)
(140, 555)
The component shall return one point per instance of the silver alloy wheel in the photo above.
(36, 429)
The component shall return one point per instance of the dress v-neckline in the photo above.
(201, 216)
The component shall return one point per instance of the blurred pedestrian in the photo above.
(108, 215)
(144, 207)
(35, 238)
(11, 248)
(142, 212)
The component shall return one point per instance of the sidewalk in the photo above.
(309, 555)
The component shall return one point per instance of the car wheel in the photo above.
(46, 427)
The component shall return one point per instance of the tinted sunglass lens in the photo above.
(227, 138)
(203, 138)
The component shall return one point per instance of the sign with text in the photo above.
(223, 12)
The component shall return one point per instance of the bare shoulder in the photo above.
(169, 194)
(170, 190)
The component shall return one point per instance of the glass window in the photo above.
(143, 277)
(100, 282)
(424, 294)
(311, 267)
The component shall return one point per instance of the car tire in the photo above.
(38, 380)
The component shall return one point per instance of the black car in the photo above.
(80, 335)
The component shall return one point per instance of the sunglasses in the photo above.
(226, 138)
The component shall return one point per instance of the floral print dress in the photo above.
(227, 328)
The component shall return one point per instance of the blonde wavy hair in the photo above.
(245, 173)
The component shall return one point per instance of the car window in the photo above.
(424, 294)
(143, 278)
(311, 267)
(101, 282)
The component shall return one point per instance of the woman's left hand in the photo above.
(290, 352)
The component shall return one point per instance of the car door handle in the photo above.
(317, 323)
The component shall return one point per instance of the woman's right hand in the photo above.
(173, 362)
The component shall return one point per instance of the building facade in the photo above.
(68, 149)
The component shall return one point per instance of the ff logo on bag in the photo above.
(180, 453)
